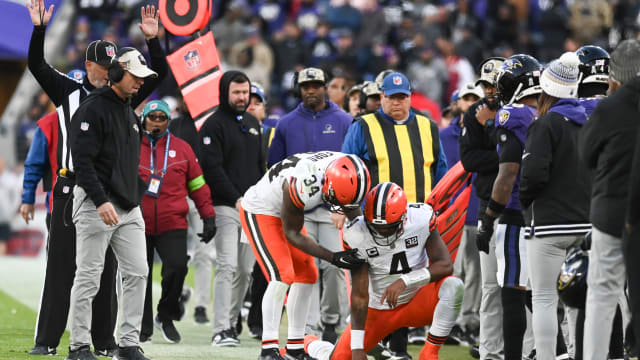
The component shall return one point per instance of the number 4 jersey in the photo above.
(304, 172)
(388, 263)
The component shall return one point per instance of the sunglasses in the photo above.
(154, 117)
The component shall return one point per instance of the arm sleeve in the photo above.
(159, 65)
(509, 147)
(198, 189)
(213, 161)
(54, 83)
(354, 142)
(35, 166)
(85, 146)
(277, 149)
(536, 161)
(473, 154)
(441, 166)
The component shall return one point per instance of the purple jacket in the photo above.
(302, 130)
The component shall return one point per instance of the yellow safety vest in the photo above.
(403, 154)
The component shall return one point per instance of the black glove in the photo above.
(208, 229)
(347, 259)
(485, 230)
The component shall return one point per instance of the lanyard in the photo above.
(166, 154)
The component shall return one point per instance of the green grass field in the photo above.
(17, 321)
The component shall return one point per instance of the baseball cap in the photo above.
(489, 70)
(101, 52)
(257, 90)
(370, 88)
(133, 62)
(396, 83)
(76, 74)
(311, 75)
(355, 88)
(470, 89)
(156, 105)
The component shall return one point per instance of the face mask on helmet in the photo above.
(385, 209)
(345, 183)
(519, 77)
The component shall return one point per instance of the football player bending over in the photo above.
(400, 284)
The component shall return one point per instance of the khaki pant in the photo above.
(129, 245)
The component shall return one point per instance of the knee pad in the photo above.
(452, 291)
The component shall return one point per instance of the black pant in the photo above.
(258, 287)
(61, 269)
(172, 248)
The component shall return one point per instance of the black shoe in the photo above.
(379, 352)
(145, 339)
(400, 355)
(105, 352)
(224, 338)
(297, 355)
(474, 351)
(255, 332)
(416, 336)
(82, 353)
(462, 337)
(200, 315)
(329, 333)
(130, 353)
(169, 331)
(270, 354)
(43, 350)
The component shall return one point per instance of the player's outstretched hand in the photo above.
(347, 259)
(392, 293)
(39, 14)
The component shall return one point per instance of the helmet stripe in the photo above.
(381, 200)
(361, 177)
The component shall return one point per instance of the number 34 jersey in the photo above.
(304, 172)
(388, 263)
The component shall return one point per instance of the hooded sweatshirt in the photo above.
(555, 185)
(303, 130)
(230, 149)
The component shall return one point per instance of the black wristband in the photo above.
(496, 207)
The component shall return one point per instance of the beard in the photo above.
(239, 106)
(312, 102)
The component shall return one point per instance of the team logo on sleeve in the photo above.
(172, 153)
(411, 242)
(206, 140)
(373, 252)
(503, 116)
(84, 126)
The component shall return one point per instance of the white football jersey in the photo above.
(388, 263)
(303, 171)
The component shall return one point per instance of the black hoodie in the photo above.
(105, 145)
(230, 149)
(606, 145)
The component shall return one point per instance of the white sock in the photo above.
(448, 307)
(320, 350)
(297, 310)
(272, 313)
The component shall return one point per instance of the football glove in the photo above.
(347, 259)
(485, 230)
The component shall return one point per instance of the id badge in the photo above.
(153, 188)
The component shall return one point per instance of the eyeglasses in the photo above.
(154, 117)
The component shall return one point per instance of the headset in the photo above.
(116, 71)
